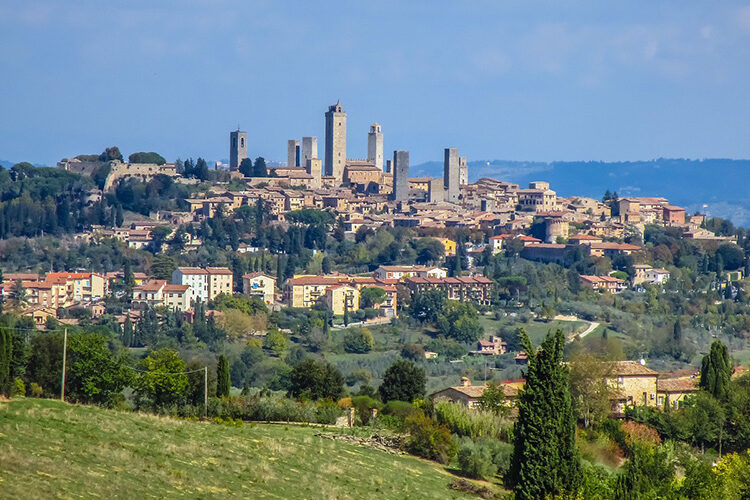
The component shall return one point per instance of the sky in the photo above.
(513, 80)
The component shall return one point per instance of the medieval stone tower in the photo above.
(375, 145)
(451, 174)
(401, 175)
(237, 148)
(335, 159)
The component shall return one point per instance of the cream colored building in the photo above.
(220, 280)
(342, 297)
(260, 285)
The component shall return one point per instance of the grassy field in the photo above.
(537, 330)
(50, 449)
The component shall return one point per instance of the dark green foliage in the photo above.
(649, 473)
(45, 362)
(222, 377)
(403, 381)
(545, 460)
(147, 158)
(6, 357)
(731, 256)
(426, 307)
(110, 154)
(358, 341)
(246, 167)
(311, 216)
(371, 296)
(459, 321)
(364, 405)
(716, 370)
(94, 373)
(315, 380)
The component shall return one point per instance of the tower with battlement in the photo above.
(335, 153)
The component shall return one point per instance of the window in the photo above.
(661, 401)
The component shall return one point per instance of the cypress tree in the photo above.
(545, 458)
(222, 377)
(6, 353)
(716, 371)
(127, 333)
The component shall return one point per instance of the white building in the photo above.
(196, 278)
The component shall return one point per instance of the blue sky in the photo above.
(516, 80)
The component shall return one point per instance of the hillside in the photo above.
(685, 182)
(58, 450)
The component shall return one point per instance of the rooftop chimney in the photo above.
(465, 382)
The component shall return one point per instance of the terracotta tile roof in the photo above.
(257, 275)
(683, 384)
(317, 280)
(631, 368)
(218, 270)
(614, 246)
(151, 286)
(584, 237)
(176, 288)
(192, 270)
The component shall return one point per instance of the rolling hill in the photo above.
(52, 449)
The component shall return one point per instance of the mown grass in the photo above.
(49, 449)
(536, 329)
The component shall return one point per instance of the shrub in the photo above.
(327, 412)
(401, 409)
(359, 341)
(36, 390)
(635, 432)
(19, 388)
(472, 423)
(364, 405)
(475, 461)
(427, 439)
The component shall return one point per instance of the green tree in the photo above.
(222, 377)
(493, 399)
(6, 357)
(716, 371)
(246, 167)
(18, 293)
(460, 321)
(163, 266)
(425, 307)
(359, 341)
(259, 167)
(545, 458)
(403, 381)
(276, 342)
(589, 390)
(150, 157)
(163, 382)
(371, 296)
(95, 374)
(316, 380)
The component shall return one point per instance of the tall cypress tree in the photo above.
(545, 458)
(6, 353)
(222, 377)
(716, 370)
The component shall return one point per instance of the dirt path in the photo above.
(592, 326)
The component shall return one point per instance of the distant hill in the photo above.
(719, 183)
(48, 448)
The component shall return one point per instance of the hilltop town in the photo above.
(344, 292)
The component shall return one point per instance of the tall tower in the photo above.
(309, 150)
(237, 148)
(463, 171)
(451, 174)
(375, 145)
(292, 153)
(401, 175)
(335, 159)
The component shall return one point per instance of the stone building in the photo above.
(309, 150)
(375, 145)
(335, 154)
(401, 175)
(237, 148)
(435, 191)
(292, 153)
(463, 171)
(451, 175)
(313, 167)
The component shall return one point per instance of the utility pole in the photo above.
(65, 352)
(205, 391)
